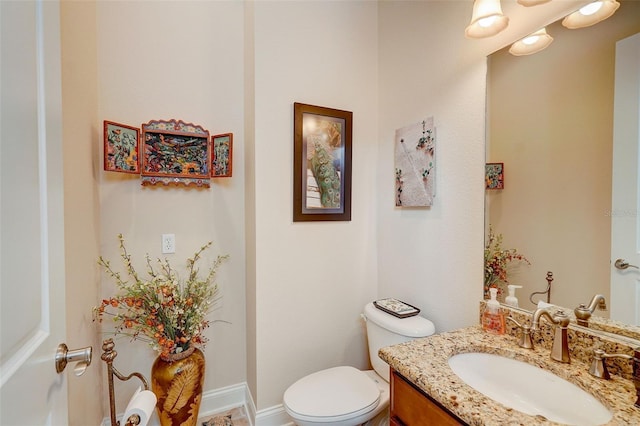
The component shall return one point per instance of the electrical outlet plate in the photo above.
(168, 243)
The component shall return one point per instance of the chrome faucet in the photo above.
(583, 312)
(599, 368)
(560, 347)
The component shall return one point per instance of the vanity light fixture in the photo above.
(532, 43)
(529, 3)
(487, 19)
(590, 14)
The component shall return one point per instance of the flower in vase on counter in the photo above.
(496, 262)
(167, 312)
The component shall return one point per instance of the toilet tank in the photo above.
(384, 329)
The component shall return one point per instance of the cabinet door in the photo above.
(412, 407)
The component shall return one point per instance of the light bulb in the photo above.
(532, 43)
(487, 19)
(487, 22)
(591, 8)
(591, 14)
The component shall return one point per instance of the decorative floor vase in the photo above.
(177, 382)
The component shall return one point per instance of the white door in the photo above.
(32, 298)
(625, 215)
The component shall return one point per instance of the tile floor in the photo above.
(238, 417)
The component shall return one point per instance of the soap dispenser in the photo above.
(493, 319)
(511, 299)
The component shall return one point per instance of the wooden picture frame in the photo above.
(175, 153)
(222, 155)
(494, 176)
(321, 163)
(121, 148)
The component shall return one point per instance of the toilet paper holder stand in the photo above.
(108, 355)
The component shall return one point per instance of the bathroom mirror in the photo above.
(550, 121)
(629, 335)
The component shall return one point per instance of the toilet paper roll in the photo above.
(141, 403)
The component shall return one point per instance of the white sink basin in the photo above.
(529, 389)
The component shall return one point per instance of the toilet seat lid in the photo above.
(338, 393)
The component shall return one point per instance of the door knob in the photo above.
(65, 356)
(623, 264)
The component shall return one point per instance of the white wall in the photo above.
(312, 278)
(431, 256)
(182, 60)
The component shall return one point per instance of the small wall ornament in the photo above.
(175, 152)
(169, 152)
(222, 150)
(494, 176)
(121, 144)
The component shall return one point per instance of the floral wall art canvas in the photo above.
(415, 149)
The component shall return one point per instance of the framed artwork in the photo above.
(222, 155)
(321, 163)
(121, 148)
(494, 176)
(415, 164)
(175, 153)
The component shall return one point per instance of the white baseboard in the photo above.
(223, 399)
(249, 405)
(273, 416)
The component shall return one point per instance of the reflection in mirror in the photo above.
(550, 121)
(598, 325)
(616, 328)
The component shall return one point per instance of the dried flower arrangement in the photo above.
(496, 261)
(168, 313)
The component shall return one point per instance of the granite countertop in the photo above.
(424, 362)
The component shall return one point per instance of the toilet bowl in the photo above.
(347, 396)
(339, 395)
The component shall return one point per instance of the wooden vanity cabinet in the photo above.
(410, 406)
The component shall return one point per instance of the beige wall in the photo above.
(391, 63)
(312, 278)
(250, 200)
(430, 256)
(293, 291)
(81, 139)
(551, 123)
(181, 60)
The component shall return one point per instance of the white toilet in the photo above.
(347, 396)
